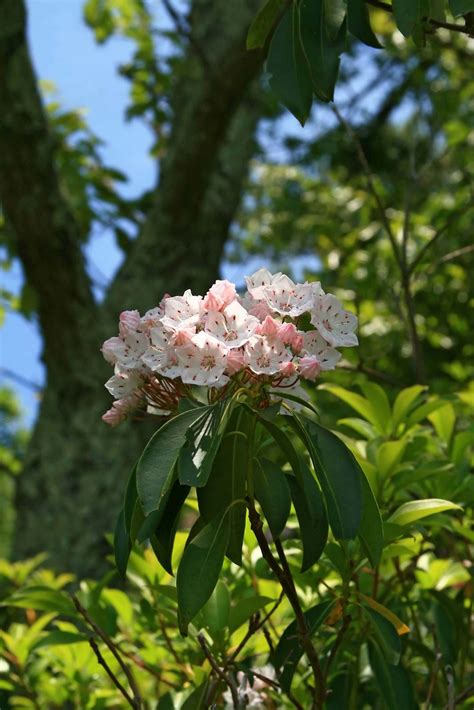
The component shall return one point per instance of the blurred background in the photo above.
(155, 158)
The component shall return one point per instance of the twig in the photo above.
(136, 701)
(101, 660)
(19, 379)
(437, 24)
(283, 575)
(452, 218)
(187, 34)
(229, 682)
(451, 255)
(337, 643)
(464, 695)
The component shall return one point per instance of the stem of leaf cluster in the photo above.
(283, 574)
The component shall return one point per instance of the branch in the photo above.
(136, 700)
(110, 672)
(229, 682)
(187, 34)
(46, 234)
(436, 24)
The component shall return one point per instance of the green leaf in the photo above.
(200, 567)
(356, 401)
(273, 494)
(443, 420)
(215, 613)
(130, 500)
(406, 398)
(380, 405)
(416, 509)
(371, 527)
(323, 37)
(197, 699)
(244, 609)
(461, 7)
(407, 13)
(446, 632)
(263, 23)
(358, 23)
(388, 456)
(311, 514)
(386, 636)
(290, 79)
(290, 649)
(339, 476)
(381, 671)
(203, 439)
(122, 545)
(423, 410)
(155, 469)
(283, 441)
(162, 541)
(42, 599)
(227, 482)
(59, 638)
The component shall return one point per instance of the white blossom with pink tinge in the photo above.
(314, 344)
(203, 360)
(336, 325)
(265, 355)
(220, 295)
(126, 352)
(233, 326)
(182, 311)
(124, 384)
(161, 355)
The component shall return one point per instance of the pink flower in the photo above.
(309, 367)
(233, 326)
(182, 311)
(220, 295)
(129, 322)
(161, 356)
(287, 332)
(257, 282)
(269, 327)
(111, 349)
(235, 361)
(314, 344)
(120, 409)
(297, 343)
(288, 368)
(126, 351)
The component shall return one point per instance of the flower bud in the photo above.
(268, 327)
(309, 367)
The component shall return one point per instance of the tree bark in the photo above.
(71, 489)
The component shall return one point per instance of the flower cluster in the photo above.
(275, 334)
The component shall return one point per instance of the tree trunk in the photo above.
(71, 489)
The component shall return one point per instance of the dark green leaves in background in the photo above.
(304, 54)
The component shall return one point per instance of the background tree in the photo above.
(202, 99)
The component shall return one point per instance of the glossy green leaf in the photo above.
(241, 612)
(423, 410)
(339, 476)
(407, 13)
(215, 612)
(59, 638)
(446, 632)
(283, 441)
(197, 699)
(200, 567)
(162, 541)
(155, 469)
(311, 514)
(461, 7)
(388, 456)
(290, 79)
(354, 400)
(290, 649)
(405, 400)
(358, 23)
(323, 43)
(130, 500)
(443, 420)
(417, 509)
(42, 599)
(371, 532)
(227, 481)
(122, 545)
(385, 635)
(263, 23)
(383, 679)
(203, 439)
(273, 493)
(380, 405)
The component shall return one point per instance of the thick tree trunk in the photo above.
(71, 489)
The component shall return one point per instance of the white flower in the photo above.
(336, 325)
(203, 360)
(314, 344)
(182, 311)
(265, 355)
(257, 282)
(287, 298)
(126, 352)
(220, 295)
(234, 326)
(123, 384)
(161, 355)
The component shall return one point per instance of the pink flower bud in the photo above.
(111, 348)
(182, 337)
(235, 361)
(129, 322)
(268, 327)
(113, 416)
(309, 367)
(210, 302)
(297, 343)
(288, 368)
(287, 332)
